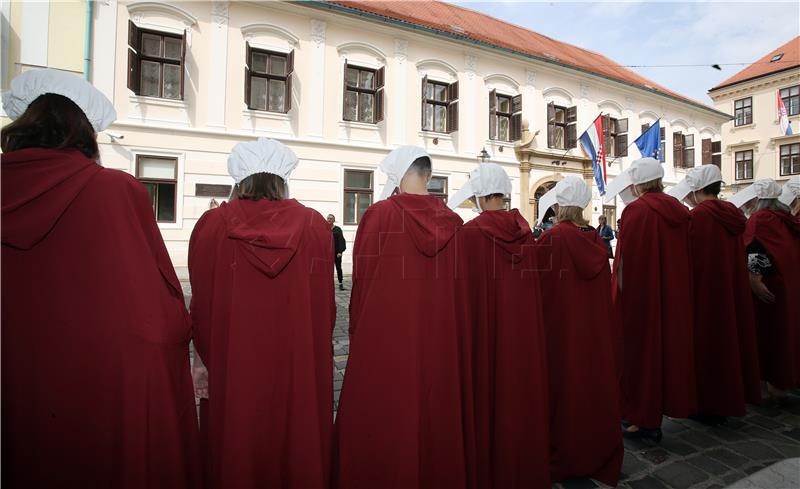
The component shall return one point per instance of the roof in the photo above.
(468, 25)
(765, 66)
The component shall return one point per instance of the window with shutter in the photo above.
(561, 130)
(571, 129)
(688, 150)
(362, 87)
(621, 138)
(516, 118)
(439, 106)
(608, 133)
(705, 151)
(268, 82)
(677, 150)
(380, 76)
(716, 153)
(493, 114)
(452, 107)
(156, 63)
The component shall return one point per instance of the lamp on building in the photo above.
(483, 156)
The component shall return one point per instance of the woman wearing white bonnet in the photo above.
(263, 311)
(95, 332)
(652, 274)
(726, 352)
(772, 239)
(585, 437)
(497, 286)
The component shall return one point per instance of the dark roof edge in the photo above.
(720, 87)
(321, 4)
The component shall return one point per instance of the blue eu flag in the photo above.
(649, 143)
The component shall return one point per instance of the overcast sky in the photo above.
(662, 33)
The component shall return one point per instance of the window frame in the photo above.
(440, 195)
(747, 118)
(286, 77)
(796, 158)
(570, 120)
(788, 99)
(612, 132)
(450, 105)
(744, 161)
(514, 116)
(136, 57)
(157, 181)
(357, 191)
(377, 92)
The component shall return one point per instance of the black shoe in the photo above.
(652, 434)
(341, 287)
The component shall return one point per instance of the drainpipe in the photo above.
(87, 40)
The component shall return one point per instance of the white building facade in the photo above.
(342, 89)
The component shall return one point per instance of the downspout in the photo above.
(87, 40)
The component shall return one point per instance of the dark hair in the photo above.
(494, 196)
(421, 166)
(260, 186)
(54, 122)
(712, 189)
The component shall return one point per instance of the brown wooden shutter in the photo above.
(344, 92)
(380, 77)
(705, 146)
(183, 65)
(551, 116)
(452, 92)
(606, 125)
(516, 118)
(677, 150)
(133, 58)
(422, 106)
(622, 126)
(247, 60)
(452, 107)
(621, 145)
(493, 114)
(287, 104)
(572, 129)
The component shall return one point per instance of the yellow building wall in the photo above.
(65, 43)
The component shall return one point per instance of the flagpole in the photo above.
(577, 138)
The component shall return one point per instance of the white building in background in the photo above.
(754, 146)
(343, 84)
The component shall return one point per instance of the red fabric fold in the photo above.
(263, 309)
(585, 436)
(95, 338)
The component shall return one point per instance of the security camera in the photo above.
(114, 135)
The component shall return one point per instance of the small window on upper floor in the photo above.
(156, 62)
(711, 152)
(682, 150)
(615, 136)
(791, 99)
(561, 128)
(439, 106)
(743, 111)
(268, 80)
(363, 94)
(505, 117)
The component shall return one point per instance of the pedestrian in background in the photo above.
(402, 419)
(772, 238)
(653, 297)
(582, 342)
(606, 234)
(263, 312)
(339, 245)
(95, 337)
(725, 348)
(500, 304)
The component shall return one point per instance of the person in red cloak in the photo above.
(501, 307)
(726, 355)
(95, 338)
(585, 439)
(772, 238)
(403, 419)
(264, 312)
(652, 288)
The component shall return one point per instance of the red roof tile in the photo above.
(471, 25)
(764, 66)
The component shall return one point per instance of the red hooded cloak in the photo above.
(263, 309)
(95, 338)
(501, 306)
(653, 295)
(778, 324)
(585, 437)
(402, 420)
(726, 355)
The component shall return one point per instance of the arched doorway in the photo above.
(537, 194)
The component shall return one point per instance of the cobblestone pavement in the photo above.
(691, 455)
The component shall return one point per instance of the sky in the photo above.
(662, 33)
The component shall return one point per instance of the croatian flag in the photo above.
(594, 147)
(783, 117)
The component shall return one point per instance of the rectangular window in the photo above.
(155, 63)
(743, 111)
(159, 175)
(615, 136)
(716, 153)
(357, 194)
(363, 94)
(790, 159)
(711, 152)
(688, 150)
(268, 80)
(791, 99)
(438, 188)
(661, 154)
(561, 126)
(505, 117)
(744, 165)
(439, 106)
(682, 150)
